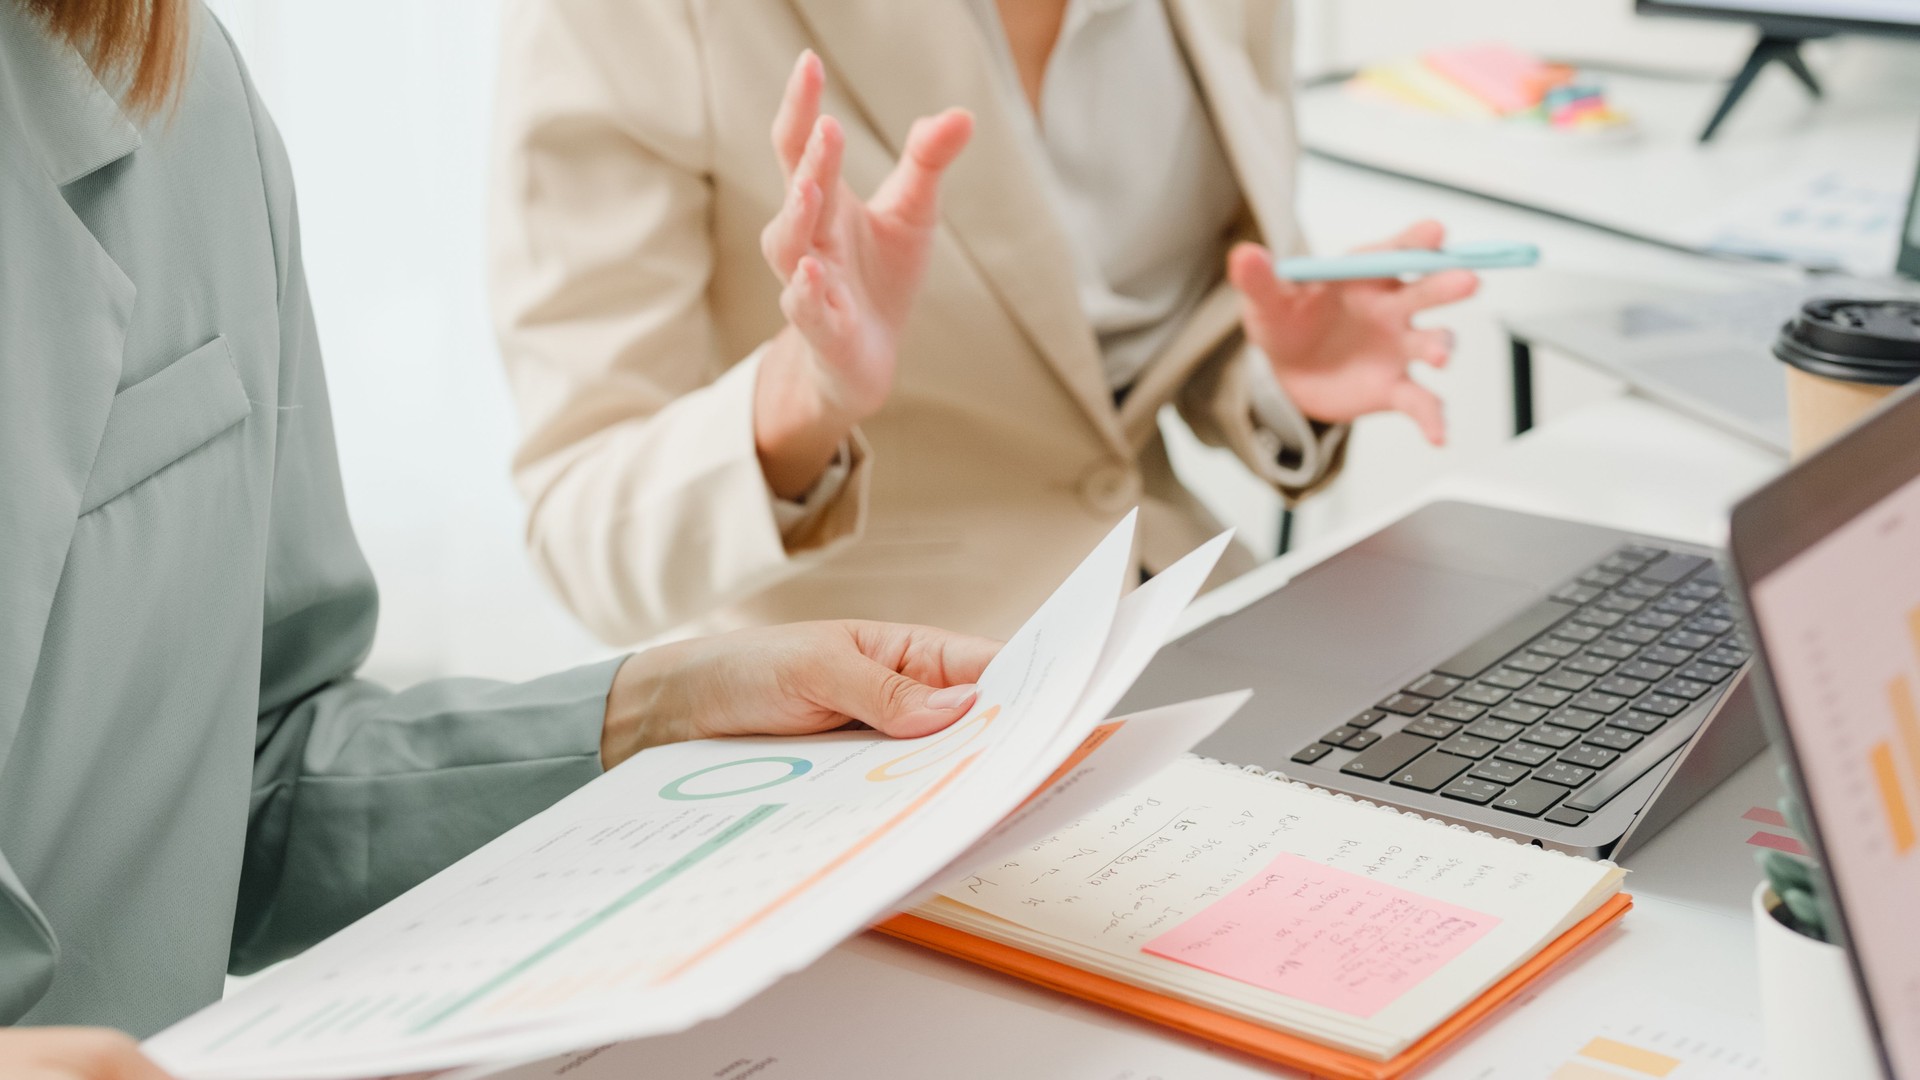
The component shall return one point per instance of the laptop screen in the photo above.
(1909, 261)
(1840, 622)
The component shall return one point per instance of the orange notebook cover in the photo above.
(1233, 1032)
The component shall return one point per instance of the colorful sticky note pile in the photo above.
(1492, 80)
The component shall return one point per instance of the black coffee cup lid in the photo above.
(1862, 341)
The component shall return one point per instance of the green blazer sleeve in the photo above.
(360, 793)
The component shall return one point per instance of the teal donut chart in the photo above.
(795, 767)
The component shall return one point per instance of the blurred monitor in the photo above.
(1800, 18)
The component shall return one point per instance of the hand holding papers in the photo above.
(690, 878)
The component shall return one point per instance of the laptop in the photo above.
(1828, 565)
(1711, 355)
(1528, 676)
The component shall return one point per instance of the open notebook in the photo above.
(1306, 927)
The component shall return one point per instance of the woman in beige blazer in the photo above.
(751, 395)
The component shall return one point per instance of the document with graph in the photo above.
(693, 876)
(1326, 933)
(1842, 622)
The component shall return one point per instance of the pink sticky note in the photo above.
(1504, 78)
(1324, 936)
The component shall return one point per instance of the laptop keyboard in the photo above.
(1564, 706)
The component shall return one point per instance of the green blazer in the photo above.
(190, 775)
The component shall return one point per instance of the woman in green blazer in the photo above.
(191, 777)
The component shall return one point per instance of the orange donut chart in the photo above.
(953, 740)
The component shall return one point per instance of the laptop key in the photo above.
(1482, 694)
(1606, 579)
(1550, 736)
(1469, 746)
(1529, 797)
(1554, 647)
(1532, 663)
(1635, 720)
(1367, 719)
(1518, 713)
(1339, 735)
(1497, 730)
(1625, 605)
(1679, 605)
(1313, 753)
(1689, 640)
(1576, 594)
(1433, 686)
(1591, 757)
(1430, 728)
(1672, 569)
(1504, 639)
(1596, 701)
(1639, 590)
(1612, 738)
(1707, 624)
(1611, 650)
(1360, 740)
(1577, 719)
(1605, 620)
(1725, 656)
(1705, 672)
(1545, 696)
(1662, 705)
(1636, 635)
(1506, 678)
(1684, 688)
(1577, 632)
(1456, 710)
(1500, 772)
(1526, 753)
(1384, 758)
(1566, 815)
(1622, 686)
(1405, 705)
(1591, 664)
(1471, 790)
(1645, 670)
(1430, 772)
(1656, 620)
(1559, 772)
(1568, 680)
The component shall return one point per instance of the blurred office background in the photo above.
(384, 107)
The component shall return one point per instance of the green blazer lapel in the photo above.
(63, 330)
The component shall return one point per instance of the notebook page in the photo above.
(1173, 857)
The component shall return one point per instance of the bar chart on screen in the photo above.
(1654, 1039)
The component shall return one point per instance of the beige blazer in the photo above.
(633, 174)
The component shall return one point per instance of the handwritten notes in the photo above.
(1324, 936)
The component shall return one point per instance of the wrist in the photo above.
(642, 707)
(797, 427)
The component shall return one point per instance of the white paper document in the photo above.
(693, 876)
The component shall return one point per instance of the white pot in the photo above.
(1815, 1026)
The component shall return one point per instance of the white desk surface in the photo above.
(1678, 973)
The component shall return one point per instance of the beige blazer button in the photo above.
(1110, 488)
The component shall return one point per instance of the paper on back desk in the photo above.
(653, 898)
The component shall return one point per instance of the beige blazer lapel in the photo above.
(63, 331)
(901, 60)
(1257, 131)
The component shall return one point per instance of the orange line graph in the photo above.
(819, 875)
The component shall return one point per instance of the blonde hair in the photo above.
(138, 44)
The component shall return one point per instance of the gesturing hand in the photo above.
(73, 1053)
(1342, 349)
(800, 679)
(851, 271)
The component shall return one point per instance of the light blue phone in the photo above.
(1489, 255)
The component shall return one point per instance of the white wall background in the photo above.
(384, 106)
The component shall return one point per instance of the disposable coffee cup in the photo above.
(1843, 358)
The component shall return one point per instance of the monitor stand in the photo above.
(1769, 48)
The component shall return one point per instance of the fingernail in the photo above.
(953, 697)
(1447, 336)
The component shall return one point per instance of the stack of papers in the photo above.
(693, 876)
